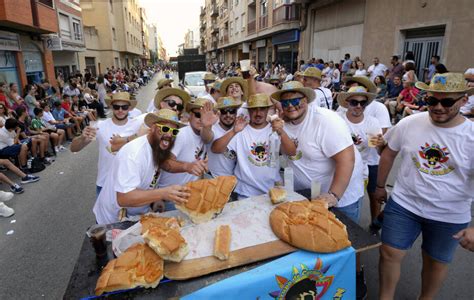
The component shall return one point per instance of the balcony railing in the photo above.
(215, 28)
(214, 11)
(263, 22)
(251, 27)
(286, 13)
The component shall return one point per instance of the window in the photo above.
(242, 22)
(64, 26)
(130, 17)
(114, 36)
(236, 25)
(231, 28)
(111, 6)
(49, 3)
(128, 37)
(263, 8)
(236, 2)
(77, 28)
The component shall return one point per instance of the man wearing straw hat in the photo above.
(161, 84)
(189, 155)
(208, 78)
(214, 91)
(107, 131)
(219, 164)
(131, 182)
(312, 79)
(251, 146)
(236, 87)
(434, 192)
(169, 98)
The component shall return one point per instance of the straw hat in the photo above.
(227, 102)
(163, 115)
(312, 72)
(196, 103)
(121, 96)
(162, 82)
(215, 85)
(274, 78)
(363, 81)
(295, 86)
(446, 83)
(208, 76)
(238, 80)
(354, 91)
(163, 93)
(259, 100)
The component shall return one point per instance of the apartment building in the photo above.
(25, 24)
(262, 30)
(68, 43)
(113, 34)
(145, 37)
(382, 28)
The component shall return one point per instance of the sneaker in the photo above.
(50, 159)
(6, 211)
(5, 196)
(17, 189)
(45, 161)
(30, 178)
(56, 149)
(361, 286)
(62, 148)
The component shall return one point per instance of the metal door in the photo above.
(423, 49)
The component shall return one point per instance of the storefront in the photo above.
(33, 61)
(9, 46)
(286, 49)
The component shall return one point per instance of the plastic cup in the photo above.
(96, 235)
(315, 189)
(245, 65)
(373, 134)
(94, 124)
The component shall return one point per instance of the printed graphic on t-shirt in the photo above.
(200, 153)
(356, 139)
(434, 160)
(230, 154)
(298, 154)
(154, 181)
(259, 154)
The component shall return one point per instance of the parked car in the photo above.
(193, 83)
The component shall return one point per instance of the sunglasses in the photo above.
(294, 102)
(166, 129)
(445, 102)
(197, 114)
(355, 103)
(173, 104)
(231, 111)
(123, 107)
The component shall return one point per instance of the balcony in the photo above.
(34, 16)
(214, 28)
(251, 27)
(286, 13)
(251, 2)
(214, 11)
(203, 11)
(44, 15)
(263, 22)
(203, 24)
(214, 45)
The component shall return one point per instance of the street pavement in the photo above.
(53, 214)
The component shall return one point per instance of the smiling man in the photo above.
(435, 189)
(131, 182)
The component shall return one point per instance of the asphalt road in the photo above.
(52, 215)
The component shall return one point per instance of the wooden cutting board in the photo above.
(192, 268)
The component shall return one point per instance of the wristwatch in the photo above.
(334, 195)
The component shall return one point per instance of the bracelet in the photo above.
(334, 195)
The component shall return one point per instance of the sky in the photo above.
(173, 18)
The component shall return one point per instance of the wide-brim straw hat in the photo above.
(259, 101)
(208, 76)
(363, 81)
(295, 86)
(121, 96)
(162, 82)
(215, 85)
(355, 91)
(163, 93)
(312, 72)
(242, 82)
(446, 83)
(196, 103)
(227, 102)
(162, 116)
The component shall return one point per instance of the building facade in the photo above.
(383, 28)
(24, 27)
(265, 31)
(70, 37)
(113, 34)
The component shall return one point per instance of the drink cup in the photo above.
(373, 134)
(94, 124)
(315, 188)
(245, 65)
(96, 235)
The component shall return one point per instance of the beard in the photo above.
(160, 155)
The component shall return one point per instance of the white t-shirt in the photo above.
(252, 148)
(2, 121)
(188, 147)
(107, 128)
(47, 117)
(151, 106)
(377, 110)
(436, 176)
(132, 168)
(321, 135)
(362, 72)
(243, 111)
(359, 132)
(7, 138)
(466, 108)
(376, 70)
(323, 98)
(336, 76)
(134, 113)
(220, 164)
(207, 96)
